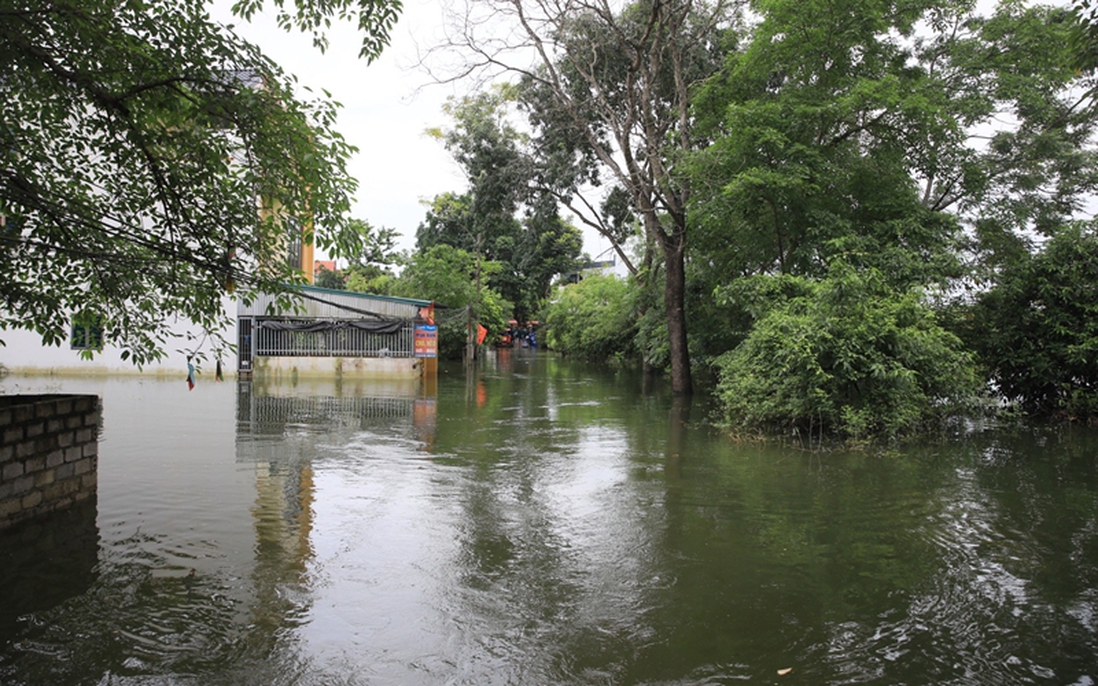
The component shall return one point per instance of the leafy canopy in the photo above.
(447, 276)
(593, 319)
(504, 215)
(609, 101)
(1036, 331)
(846, 354)
(375, 19)
(138, 142)
(903, 141)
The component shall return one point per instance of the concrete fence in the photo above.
(49, 447)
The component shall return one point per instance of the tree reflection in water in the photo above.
(537, 521)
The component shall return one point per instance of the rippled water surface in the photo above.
(542, 523)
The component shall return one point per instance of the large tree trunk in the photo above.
(675, 303)
(612, 93)
(672, 244)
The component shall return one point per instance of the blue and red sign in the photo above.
(426, 340)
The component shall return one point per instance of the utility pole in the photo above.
(473, 323)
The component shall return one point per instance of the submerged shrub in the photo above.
(592, 319)
(1036, 331)
(846, 355)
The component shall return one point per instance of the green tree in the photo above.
(370, 271)
(846, 355)
(879, 131)
(136, 139)
(448, 221)
(592, 320)
(819, 130)
(375, 19)
(447, 275)
(1084, 36)
(328, 278)
(609, 100)
(371, 279)
(503, 215)
(1039, 167)
(900, 139)
(1036, 331)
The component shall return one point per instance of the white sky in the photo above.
(387, 106)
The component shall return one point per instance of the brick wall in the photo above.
(49, 447)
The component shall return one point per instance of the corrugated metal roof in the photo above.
(327, 303)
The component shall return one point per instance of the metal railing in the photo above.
(346, 342)
(276, 412)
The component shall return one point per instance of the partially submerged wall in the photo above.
(25, 355)
(289, 369)
(49, 448)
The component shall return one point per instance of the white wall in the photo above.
(24, 354)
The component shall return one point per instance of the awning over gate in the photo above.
(370, 325)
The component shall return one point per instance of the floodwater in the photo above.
(540, 522)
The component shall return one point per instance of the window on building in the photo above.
(293, 249)
(86, 336)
